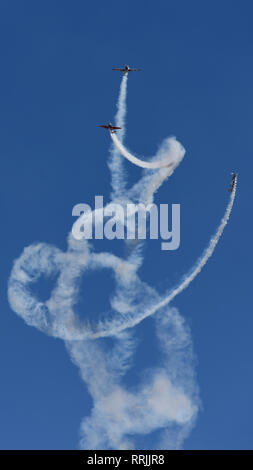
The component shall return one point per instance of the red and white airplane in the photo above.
(127, 69)
(110, 128)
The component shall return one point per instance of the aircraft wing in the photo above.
(119, 70)
(115, 127)
(134, 70)
(105, 127)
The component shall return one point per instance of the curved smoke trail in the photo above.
(169, 401)
(155, 165)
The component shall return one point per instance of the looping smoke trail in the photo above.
(167, 402)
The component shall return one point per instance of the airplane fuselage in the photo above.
(127, 69)
(110, 127)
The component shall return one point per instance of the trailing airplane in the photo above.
(127, 69)
(232, 184)
(110, 128)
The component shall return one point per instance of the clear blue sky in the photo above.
(56, 86)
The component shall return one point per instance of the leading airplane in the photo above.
(110, 128)
(232, 184)
(127, 69)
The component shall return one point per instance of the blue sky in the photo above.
(196, 84)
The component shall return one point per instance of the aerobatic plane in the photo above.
(127, 69)
(110, 128)
(231, 187)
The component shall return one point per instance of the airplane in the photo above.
(232, 184)
(127, 69)
(110, 128)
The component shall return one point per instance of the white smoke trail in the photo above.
(136, 161)
(169, 400)
(117, 327)
(118, 179)
(43, 259)
(163, 402)
(120, 117)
